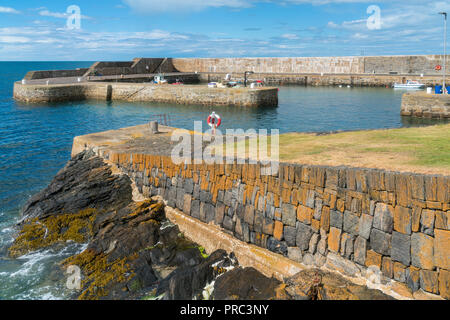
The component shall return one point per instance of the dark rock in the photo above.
(187, 282)
(85, 182)
(244, 284)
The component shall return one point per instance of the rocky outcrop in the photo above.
(85, 182)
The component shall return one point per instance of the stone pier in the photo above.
(423, 105)
(146, 92)
(389, 230)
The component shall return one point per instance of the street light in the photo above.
(444, 89)
(245, 77)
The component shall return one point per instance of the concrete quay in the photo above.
(146, 92)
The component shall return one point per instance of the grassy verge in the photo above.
(424, 149)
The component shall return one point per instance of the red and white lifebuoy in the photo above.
(438, 67)
(214, 120)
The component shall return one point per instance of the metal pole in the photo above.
(445, 52)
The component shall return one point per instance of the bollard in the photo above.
(153, 127)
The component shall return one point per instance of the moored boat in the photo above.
(410, 84)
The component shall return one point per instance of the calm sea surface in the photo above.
(35, 142)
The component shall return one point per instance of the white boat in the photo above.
(410, 84)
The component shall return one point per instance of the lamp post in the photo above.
(444, 89)
(245, 77)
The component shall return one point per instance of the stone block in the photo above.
(383, 217)
(360, 248)
(334, 239)
(325, 219)
(387, 267)
(205, 196)
(228, 223)
(290, 235)
(304, 234)
(278, 230)
(318, 209)
(413, 278)
(346, 247)
(380, 242)
(365, 225)
(373, 259)
(258, 224)
(401, 248)
(351, 223)
(322, 246)
(422, 248)
(313, 243)
(304, 214)
(195, 209)
(336, 219)
(315, 225)
(180, 198)
(442, 220)
(442, 249)
(249, 215)
(295, 254)
(402, 220)
(187, 204)
(310, 199)
(444, 284)
(188, 186)
(268, 225)
(289, 215)
(209, 212)
(340, 205)
(415, 219)
(427, 222)
(429, 281)
(399, 272)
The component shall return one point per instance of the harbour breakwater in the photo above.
(145, 92)
(357, 71)
(390, 228)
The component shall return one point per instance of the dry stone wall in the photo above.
(352, 219)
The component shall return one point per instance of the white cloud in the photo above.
(156, 6)
(289, 36)
(60, 15)
(8, 10)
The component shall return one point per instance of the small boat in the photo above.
(159, 79)
(410, 84)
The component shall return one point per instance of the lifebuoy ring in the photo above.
(438, 67)
(214, 120)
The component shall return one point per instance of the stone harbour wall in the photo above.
(396, 225)
(423, 105)
(334, 65)
(144, 92)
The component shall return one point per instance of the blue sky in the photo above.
(124, 29)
